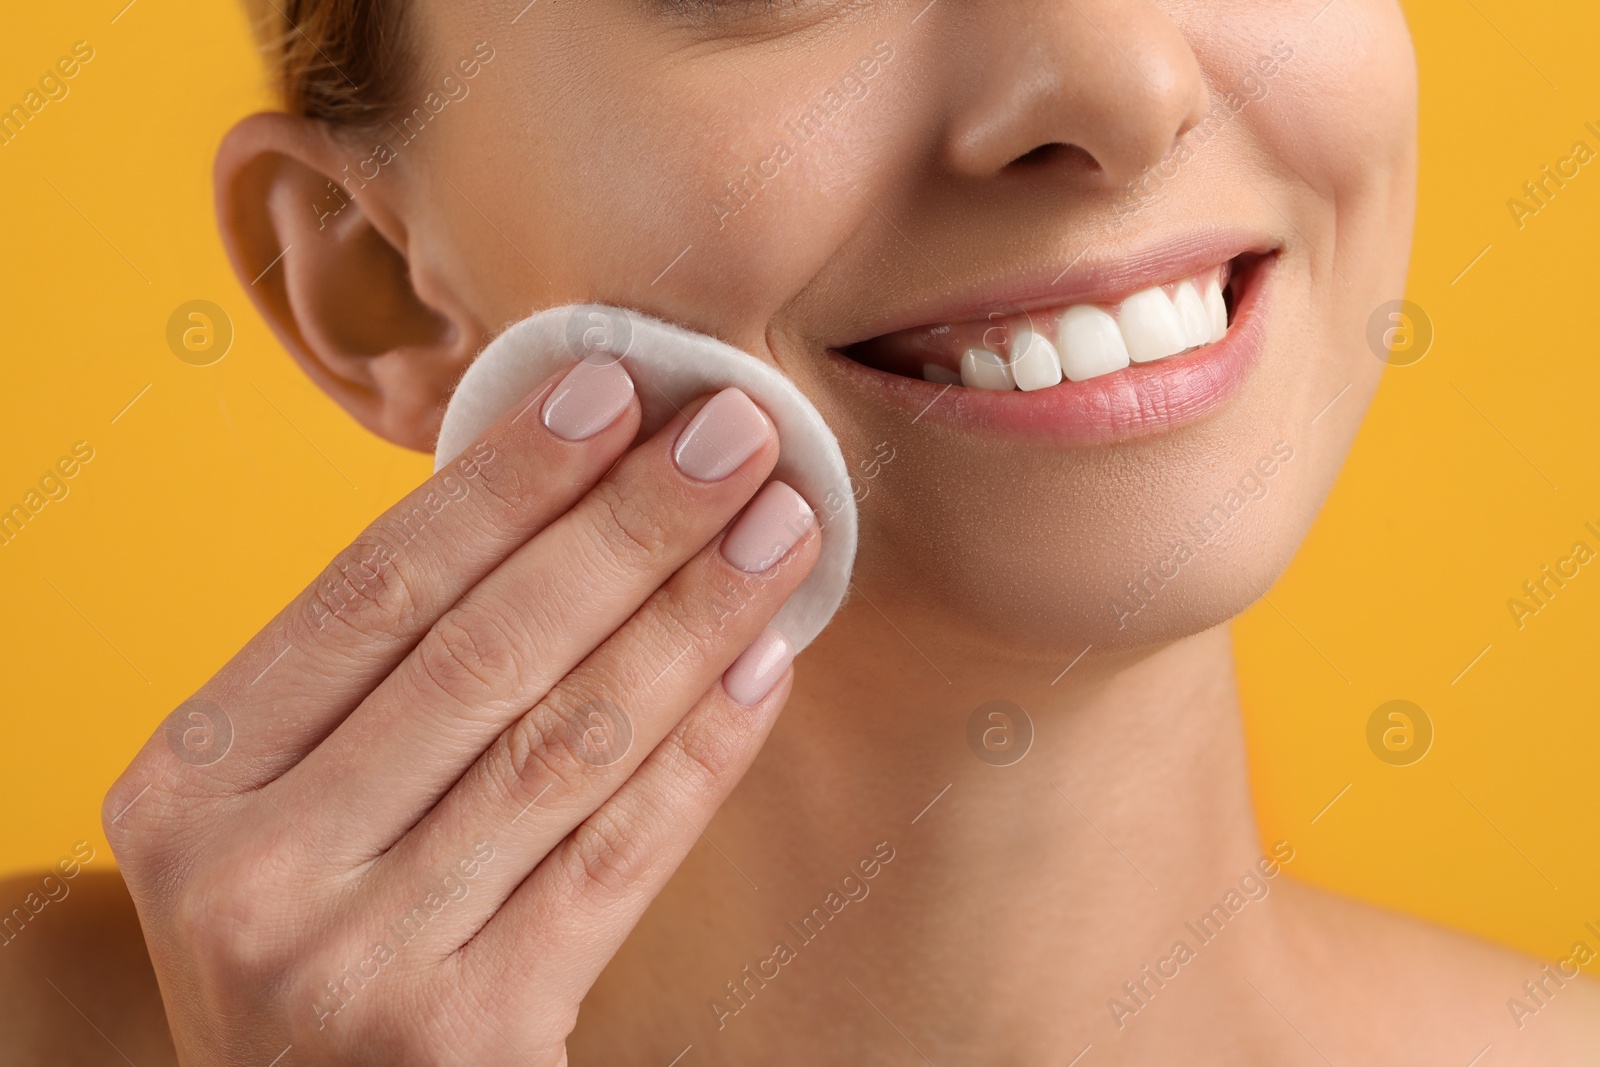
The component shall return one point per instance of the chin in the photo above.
(1118, 552)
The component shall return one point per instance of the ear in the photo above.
(326, 254)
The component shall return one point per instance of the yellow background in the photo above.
(223, 488)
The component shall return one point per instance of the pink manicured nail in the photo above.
(771, 525)
(587, 400)
(758, 668)
(726, 432)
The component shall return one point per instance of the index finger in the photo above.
(319, 657)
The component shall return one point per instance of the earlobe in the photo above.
(328, 261)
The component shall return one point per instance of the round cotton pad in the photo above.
(671, 366)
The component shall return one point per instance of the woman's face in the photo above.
(804, 177)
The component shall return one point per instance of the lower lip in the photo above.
(1142, 400)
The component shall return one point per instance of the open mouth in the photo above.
(1039, 349)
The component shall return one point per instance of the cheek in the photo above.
(1332, 102)
(1348, 114)
(1340, 123)
(709, 190)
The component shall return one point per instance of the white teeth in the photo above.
(983, 369)
(1034, 362)
(1192, 313)
(1090, 342)
(1217, 309)
(1151, 326)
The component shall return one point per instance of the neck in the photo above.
(875, 866)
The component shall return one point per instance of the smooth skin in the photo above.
(586, 164)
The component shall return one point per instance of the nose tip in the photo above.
(1104, 87)
(1167, 100)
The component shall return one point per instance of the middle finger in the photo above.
(520, 630)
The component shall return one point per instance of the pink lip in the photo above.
(1085, 282)
(1143, 400)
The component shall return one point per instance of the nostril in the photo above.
(1057, 154)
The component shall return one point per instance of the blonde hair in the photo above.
(342, 61)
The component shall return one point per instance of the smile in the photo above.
(1136, 350)
(1038, 349)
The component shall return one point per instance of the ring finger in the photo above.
(562, 760)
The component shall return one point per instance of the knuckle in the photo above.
(118, 804)
(514, 488)
(538, 753)
(471, 653)
(231, 924)
(139, 835)
(707, 756)
(629, 528)
(604, 858)
(157, 811)
(365, 588)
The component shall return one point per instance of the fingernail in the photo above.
(726, 432)
(770, 526)
(758, 668)
(587, 400)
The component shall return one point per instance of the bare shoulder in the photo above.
(1413, 991)
(76, 985)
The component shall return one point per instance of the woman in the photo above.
(1084, 290)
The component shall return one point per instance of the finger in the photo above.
(555, 766)
(588, 894)
(515, 635)
(315, 661)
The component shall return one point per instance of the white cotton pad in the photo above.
(671, 366)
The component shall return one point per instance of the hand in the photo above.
(416, 815)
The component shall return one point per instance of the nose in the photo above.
(1110, 83)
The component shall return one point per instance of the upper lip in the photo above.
(1088, 280)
